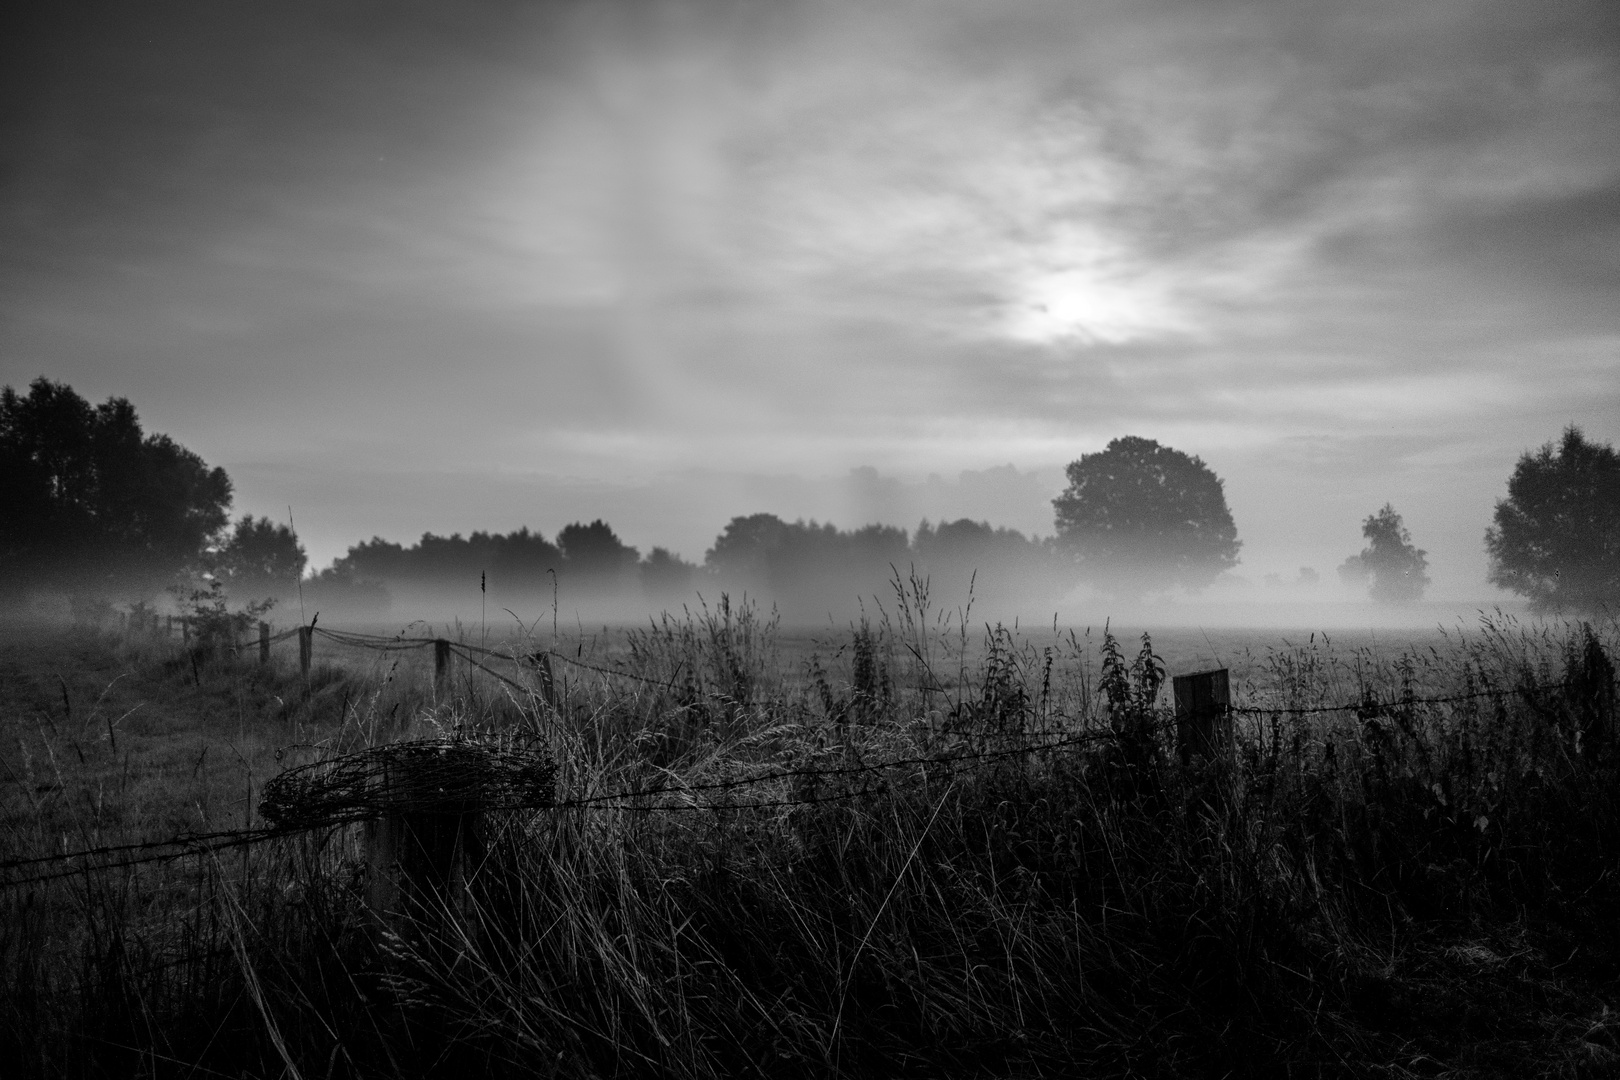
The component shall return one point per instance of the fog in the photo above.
(982, 593)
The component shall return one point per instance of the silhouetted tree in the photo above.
(666, 574)
(1389, 565)
(748, 546)
(965, 542)
(447, 565)
(808, 566)
(90, 502)
(340, 587)
(373, 560)
(522, 559)
(762, 550)
(595, 553)
(1003, 564)
(260, 559)
(1138, 515)
(1556, 537)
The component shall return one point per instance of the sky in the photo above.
(443, 267)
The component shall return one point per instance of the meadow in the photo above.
(904, 847)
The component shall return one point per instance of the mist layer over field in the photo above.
(982, 598)
(824, 600)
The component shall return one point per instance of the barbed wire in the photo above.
(467, 649)
(635, 799)
(402, 644)
(143, 852)
(192, 843)
(947, 760)
(1376, 707)
(372, 642)
(491, 671)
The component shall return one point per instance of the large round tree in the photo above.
(1138, 516)
(1556, 537)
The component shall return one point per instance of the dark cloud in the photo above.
(1557, 243)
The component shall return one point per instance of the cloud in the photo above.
(605, 241)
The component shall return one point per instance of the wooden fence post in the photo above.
(185, 630)
(1203, 717)
(170, 631)
(264, 643)
(418, 849)
(306, 649)
(441, 663)
(548, 685)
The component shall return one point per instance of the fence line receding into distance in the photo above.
(425, 796)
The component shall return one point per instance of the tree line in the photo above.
(95, 506)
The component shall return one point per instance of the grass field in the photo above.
(1404, 887)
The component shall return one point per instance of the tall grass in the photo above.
(1405, 887)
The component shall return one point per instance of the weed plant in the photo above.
(929, 852)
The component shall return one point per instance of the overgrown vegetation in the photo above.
(1409, 887)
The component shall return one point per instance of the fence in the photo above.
(422, 802)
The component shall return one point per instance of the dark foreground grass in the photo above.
(1407, 888)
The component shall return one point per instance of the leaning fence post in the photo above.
(306, 649)
(1203, 716)
(441, 662)
(264, 643)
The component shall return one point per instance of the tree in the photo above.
(749, 546)
(523, 561)
(664, 573)
(1556, 537)
(260, 558)
(91, 503)
(595, 553)
(1390, 566)
(1138, 515)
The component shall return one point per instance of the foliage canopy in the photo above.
(595, 551)
(1556, 537)
(91, 502)
(1390, 566)
(1138, 516)
(260, 558)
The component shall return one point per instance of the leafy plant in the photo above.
(215, 630)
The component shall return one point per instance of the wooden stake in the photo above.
(441, 663)
(1203, 717)
(306, 649)
(418, 853)
(264, 643)
(548, 684)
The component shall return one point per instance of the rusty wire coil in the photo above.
(440, 776)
